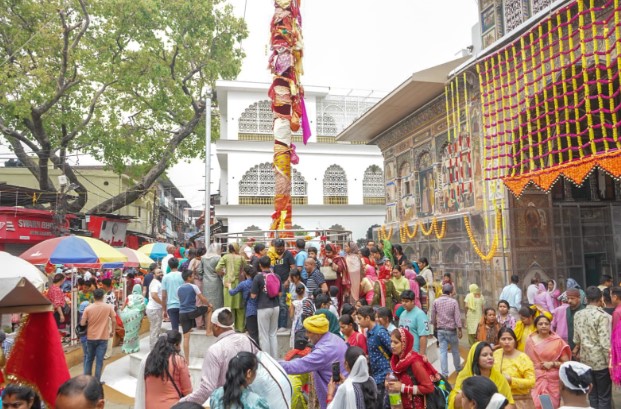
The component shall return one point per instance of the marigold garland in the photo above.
(440, 234)
(431, 227)
(492, 251)
(382, 235)
(404, 232)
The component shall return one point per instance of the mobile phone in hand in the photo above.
(336, 372)
(546, 402)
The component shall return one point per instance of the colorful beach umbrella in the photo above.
(156, 251)
(136, 258)
(75, 251)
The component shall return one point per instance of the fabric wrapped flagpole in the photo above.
(287, 95)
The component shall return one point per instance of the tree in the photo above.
(124, 81)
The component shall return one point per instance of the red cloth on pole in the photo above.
(37, 357)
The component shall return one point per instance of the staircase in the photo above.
(121, 374)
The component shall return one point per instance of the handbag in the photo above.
(174, 384)
(81, 330)
(328, 273)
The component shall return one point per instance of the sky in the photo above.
(349, 44)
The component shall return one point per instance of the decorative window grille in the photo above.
(257, 186)
(337, 112)
(538, 5)
(335, 185)
(373, 186)
(257, 118)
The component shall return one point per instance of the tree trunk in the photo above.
(141, 188)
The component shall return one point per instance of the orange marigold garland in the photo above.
(440, 234)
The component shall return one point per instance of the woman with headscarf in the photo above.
(358, 391)
(385, 293)
(386, 248)
(555, 293)
(367, 284)
(354, 267)
(231, 265)
(339, 265)
(405, 364)
(480, 362)
(334, 327)
(410, 275)
(488, 328)
(213, 289)
(132, 318)
(427, 274)
(474, 311)
(543, 299)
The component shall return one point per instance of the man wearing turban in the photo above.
(328, 348)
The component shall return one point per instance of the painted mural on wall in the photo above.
(456, 186)
(426, 185)
(391, 191)
(406, 191)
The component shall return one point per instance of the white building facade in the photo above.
(335, 184)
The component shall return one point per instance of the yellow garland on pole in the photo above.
(382, 235)
(440, 234)
(404, 232)
(427, 232)
(485, 257)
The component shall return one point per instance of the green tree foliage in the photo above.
(123, 80)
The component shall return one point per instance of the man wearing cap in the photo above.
(576, 381)
(328, 348)
(446, 319)
(216, 361)
(592, 339)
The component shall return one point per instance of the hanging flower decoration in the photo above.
(492, 250)
(442, 232)
(404, 232)
(427, 232)
(382, 235)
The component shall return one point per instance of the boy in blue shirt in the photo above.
(188, 311)
(252, 325)
(414, 320)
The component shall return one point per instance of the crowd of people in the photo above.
(359, 323)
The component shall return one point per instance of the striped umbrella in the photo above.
(75, 251)
(156, 251)
(136, 258)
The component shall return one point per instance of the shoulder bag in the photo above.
(174, 384)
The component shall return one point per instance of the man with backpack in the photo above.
(379, 349)
(266, 288)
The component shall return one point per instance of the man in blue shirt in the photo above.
(301, 257)
(379, 349)
(513, 295)
(414, 320)
(170, 284)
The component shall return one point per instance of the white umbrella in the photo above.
(12, 266)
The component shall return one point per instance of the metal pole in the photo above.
(207, 169)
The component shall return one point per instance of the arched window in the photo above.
(373, 186)
(257, 118)
(335, 186)
(257, 186)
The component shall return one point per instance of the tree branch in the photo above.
(18, 136)
(82, 194)
(91, 109)
(85, 24)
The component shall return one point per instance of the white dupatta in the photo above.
(345, 397)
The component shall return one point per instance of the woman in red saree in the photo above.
(384, 291)
(338, 264)
(406, 362)
(547, 351)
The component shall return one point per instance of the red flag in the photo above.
(37, 358)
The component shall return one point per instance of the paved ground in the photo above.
(116, 400)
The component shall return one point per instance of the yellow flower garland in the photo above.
(382, 235)
(404, 232)
(431, 226)
(440, 234)
(485, 257)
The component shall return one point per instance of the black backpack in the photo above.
(438, 399)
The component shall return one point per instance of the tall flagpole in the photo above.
(287, 95)
(208, 169)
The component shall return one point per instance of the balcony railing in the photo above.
(269, 200)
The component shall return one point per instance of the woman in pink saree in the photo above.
(368, 283)
(410, 274)
(547, 351)
(615, 355)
